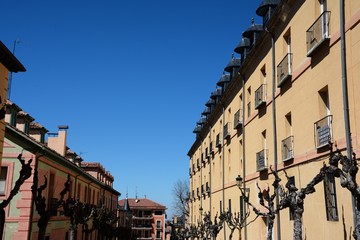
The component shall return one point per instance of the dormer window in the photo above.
(13, 114)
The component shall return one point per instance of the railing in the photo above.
(323, 132)
(218, 140)
(260, 94)
(227, 130)
(284, 69)
(238, 119)
(318, 32)
(287, 148)
(261, 160)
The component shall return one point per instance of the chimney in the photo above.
(57, 141)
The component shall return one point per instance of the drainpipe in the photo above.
(210, 171)
(243, 147)
(345, 96)
(201, 180)
(274, 127)
(223, 166)
(32, 197)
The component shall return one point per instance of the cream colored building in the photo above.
(279, 105)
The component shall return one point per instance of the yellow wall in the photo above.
(300, 96)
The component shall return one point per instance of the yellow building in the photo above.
(280, 104)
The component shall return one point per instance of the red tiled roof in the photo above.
(141, 203)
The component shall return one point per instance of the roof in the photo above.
(142, 203)
(9, 60)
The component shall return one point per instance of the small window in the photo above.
(158, 234)
(158, 224)
(291, 211)
(330, 198)
(3, 175)
(158, 212)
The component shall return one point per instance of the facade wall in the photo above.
(300, 103)
(21, 215)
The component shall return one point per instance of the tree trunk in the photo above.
(73, 232)
(356, 233)
(270, 228)
(298, 224)
(42, 224)
(2, 221)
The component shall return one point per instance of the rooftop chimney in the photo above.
(57, 141)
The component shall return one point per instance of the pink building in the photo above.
(148, 218)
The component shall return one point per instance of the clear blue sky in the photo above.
(130, 78)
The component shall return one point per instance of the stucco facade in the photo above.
(8, 63)
(55, 161)
(247, 129)
(148, 218)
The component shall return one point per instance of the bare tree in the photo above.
(347, 175)
(25, 173)
(181, 198)
(293, 198)
(40, 203)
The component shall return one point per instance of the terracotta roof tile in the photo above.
(142, 203)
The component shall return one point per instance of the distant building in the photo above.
(148, 218)
(54, 160)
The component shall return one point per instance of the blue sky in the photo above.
(129, 78)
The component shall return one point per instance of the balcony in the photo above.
(145, 217)
(318, 33)
(323, 132)
(207, 187)
(284, 69)
(261, 160)
(260, 96)
(227, 132)
(211, 148)
(218, 141)
(287, 148)
(238, 120)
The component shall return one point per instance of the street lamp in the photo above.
(238, 181)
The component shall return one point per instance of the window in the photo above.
(323, 132)
(27, 126)
(158, 212)
(221, 206)
(229, 205)
(249, 102)
(158, 234)
(287, 144)
(330, 198)
(158, 224)
(261, 156)
(13, 117)
(3, 175)
(318, 32)
(284, 69)
(291, 211)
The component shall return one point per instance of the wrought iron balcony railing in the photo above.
(318, 32)
(284, 69)
(261, 160)
(238, 120)
(323, 132)
(227, 130)
(287, 148)
(260, 96)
